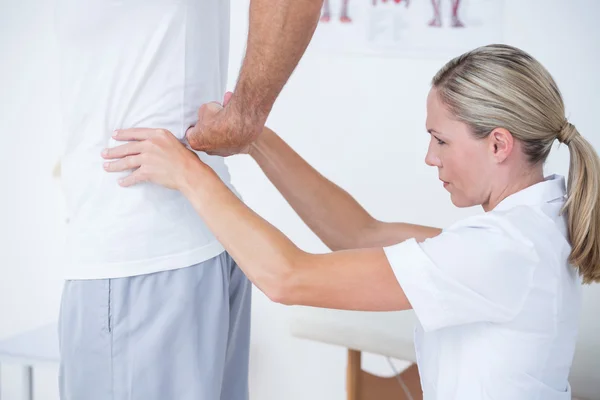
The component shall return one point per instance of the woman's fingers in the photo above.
(137, 133)
(134, 178)
(154, 155)
(124, 150)
(124, 164)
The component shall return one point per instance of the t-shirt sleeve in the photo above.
(480, 271)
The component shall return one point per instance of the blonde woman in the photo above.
(497, 295)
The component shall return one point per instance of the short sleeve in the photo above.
(477, 271)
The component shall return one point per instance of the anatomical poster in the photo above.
(408, 27)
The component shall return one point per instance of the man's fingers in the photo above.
(125, 164)
(211, 145)
(200, 141)
(205, 135)
(212, 107)
(192, 136)
(123, 150)
(227, 98)
(198, 144)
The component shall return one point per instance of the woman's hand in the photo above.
(155, 155)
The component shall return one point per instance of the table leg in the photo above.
(353, 375)
(28, 382)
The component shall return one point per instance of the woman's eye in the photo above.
(440, 141)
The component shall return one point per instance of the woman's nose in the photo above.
(432, 159)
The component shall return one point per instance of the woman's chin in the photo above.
(460, 201)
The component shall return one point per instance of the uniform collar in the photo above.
(551, 188)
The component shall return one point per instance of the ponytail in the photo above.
(583, 204)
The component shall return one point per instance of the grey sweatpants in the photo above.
(172, 335)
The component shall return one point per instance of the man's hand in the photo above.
(222, 130)
(278, 34)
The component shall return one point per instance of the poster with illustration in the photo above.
(408, 27)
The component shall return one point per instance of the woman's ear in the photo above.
(501, 143)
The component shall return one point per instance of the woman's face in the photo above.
(463, 162)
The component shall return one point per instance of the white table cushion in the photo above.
(385, 333)
(37, 346)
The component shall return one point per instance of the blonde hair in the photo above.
(502, 86)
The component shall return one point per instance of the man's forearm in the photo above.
(279, 33)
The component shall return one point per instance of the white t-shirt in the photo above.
(124, 64)
(497, 302)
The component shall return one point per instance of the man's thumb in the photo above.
(227, 98)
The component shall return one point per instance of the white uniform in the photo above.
(497, 301)
(125, 64)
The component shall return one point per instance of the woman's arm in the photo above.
(333, 214)
(359, 279)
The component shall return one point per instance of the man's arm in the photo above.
(278, 35)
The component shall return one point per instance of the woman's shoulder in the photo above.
(486, 249)
(510, 222)
(522, 229)
(518, 220)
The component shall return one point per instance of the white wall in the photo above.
(30, 203)
(360, 121)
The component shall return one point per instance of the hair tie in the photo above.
(567, 133)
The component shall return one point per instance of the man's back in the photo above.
(124, 64)
(168, 332)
